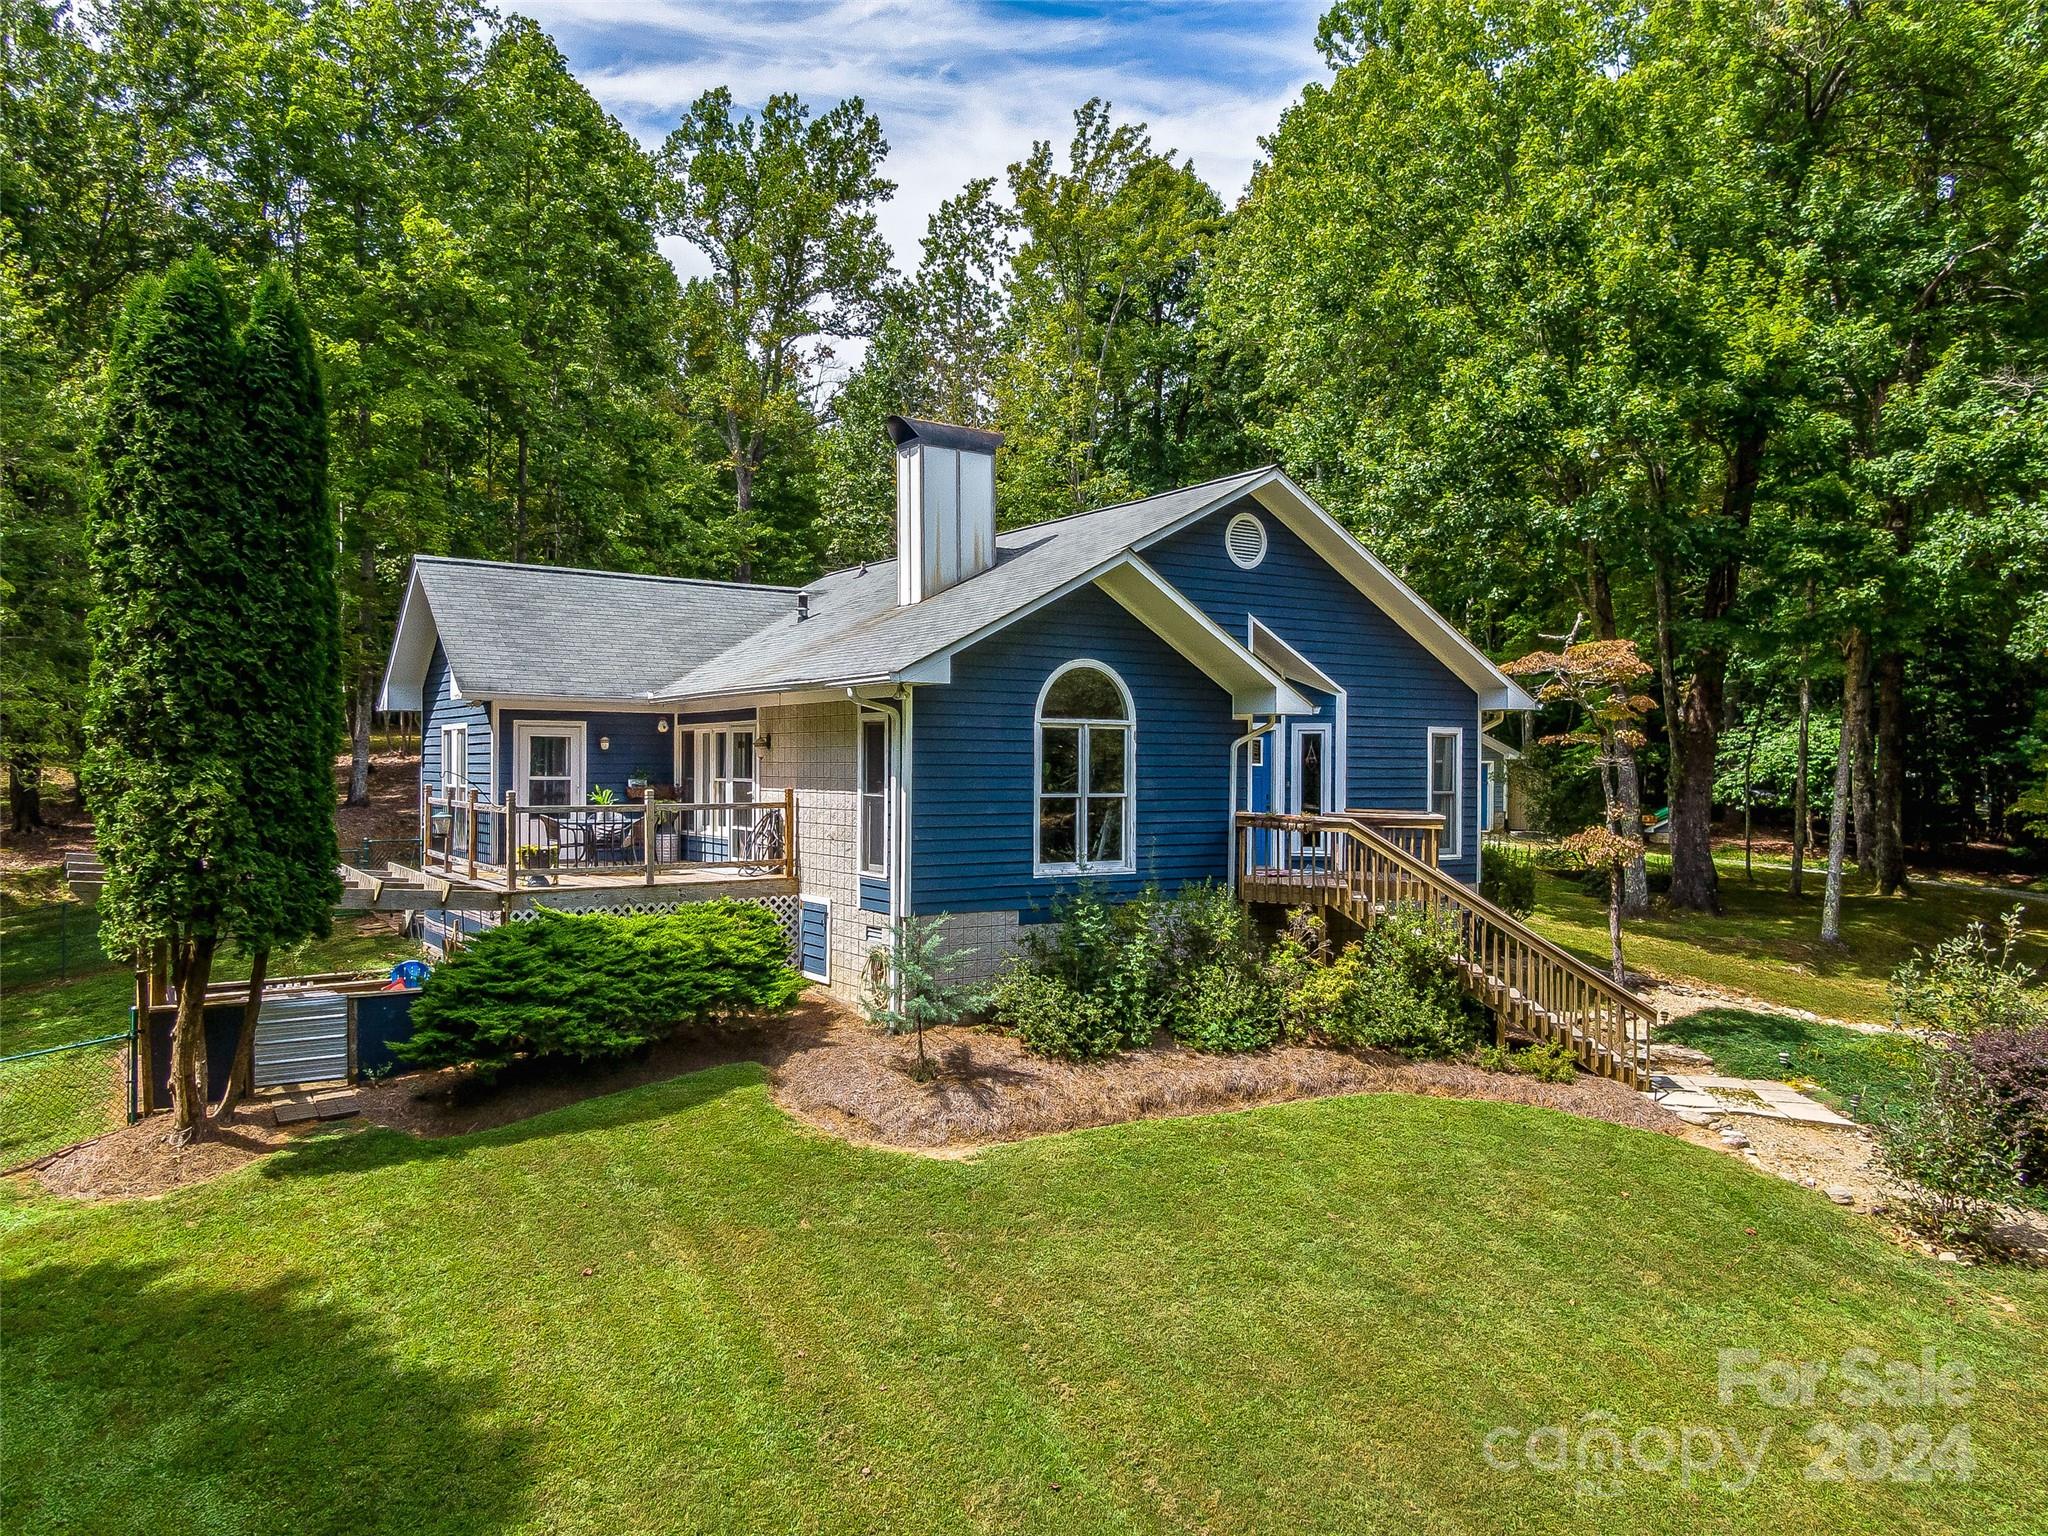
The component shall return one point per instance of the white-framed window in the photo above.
(454, 758)
(728, 765)
(548, 762)
(686, 766)
(1447, 785)
(1086, 766)
(873, 771)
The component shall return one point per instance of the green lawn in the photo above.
(1862, 1075)
(1766, 945)
(673, 1309)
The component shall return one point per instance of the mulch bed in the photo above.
(845, 1078)
(830, 1069)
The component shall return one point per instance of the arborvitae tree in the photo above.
(167, 719)
(292, 714)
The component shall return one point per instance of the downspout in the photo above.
(899, 709)
(1241, 743)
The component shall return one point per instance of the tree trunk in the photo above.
(1694, 884)
(743, 502)
(1860, 706)
(1748, 768)
(1838, 813)
(243, 1070)
(1798, 886)
(1628, 821)
(1635, 884)
(25, 794)
(1614, 926)
(519, 497)
(188, 1042)
(359, 712)
(1888, 851)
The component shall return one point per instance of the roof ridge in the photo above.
(1064, 517)
(585, 570)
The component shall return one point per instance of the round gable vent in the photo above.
(1245, 539)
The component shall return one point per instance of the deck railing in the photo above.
(512, 841)
(1532, 987)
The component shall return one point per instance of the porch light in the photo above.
(604, 743)
(763, 743)
(661, 725)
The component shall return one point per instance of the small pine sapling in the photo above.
(912, 988)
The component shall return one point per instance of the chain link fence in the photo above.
(61, 1095)
(53, 942)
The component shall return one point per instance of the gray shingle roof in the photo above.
(857, 633)
(546, 632)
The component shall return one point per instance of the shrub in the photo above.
(1397, 989)
(1957, 1161)
(1109, 953)
(599, 985)
(1052, 1017)
(1550, 1062)
(2011, 1065)
(1211, 986)
(1967, 984)
(1507, 878)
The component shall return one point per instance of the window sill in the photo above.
(1072, 871)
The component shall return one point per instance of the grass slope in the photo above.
(675, 1310)
(1765, 944)
(1876, 1074)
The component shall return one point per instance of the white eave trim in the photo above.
(1287, 661)
(1254, 688)
(412, 648)
(1498, 747)
(1364, 570)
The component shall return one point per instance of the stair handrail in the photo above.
(1452, 889)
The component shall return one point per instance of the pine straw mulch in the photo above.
(846, 1079)
(828, 1068)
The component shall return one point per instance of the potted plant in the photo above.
(536, 856)
(604, 795)
(636, 787)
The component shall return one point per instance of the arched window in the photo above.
(1087, 809)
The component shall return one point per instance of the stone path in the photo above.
(1695, 1097)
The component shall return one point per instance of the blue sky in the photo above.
(962, 87)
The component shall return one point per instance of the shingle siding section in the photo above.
(973, 803)
(1397, 689)
(813, 752)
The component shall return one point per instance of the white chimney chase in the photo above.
(945, 505)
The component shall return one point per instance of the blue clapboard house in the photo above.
(1219, 683)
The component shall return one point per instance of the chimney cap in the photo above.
(904, 430)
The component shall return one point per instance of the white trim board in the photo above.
(1452, 842)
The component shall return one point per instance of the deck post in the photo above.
(472, 831)
(789, 832)
(426, 824)
(647, 820)
(511, 843)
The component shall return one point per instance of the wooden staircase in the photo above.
(1536, 991)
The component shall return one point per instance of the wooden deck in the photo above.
(1349, 866)
(398, 888)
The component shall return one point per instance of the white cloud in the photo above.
(962, 87)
